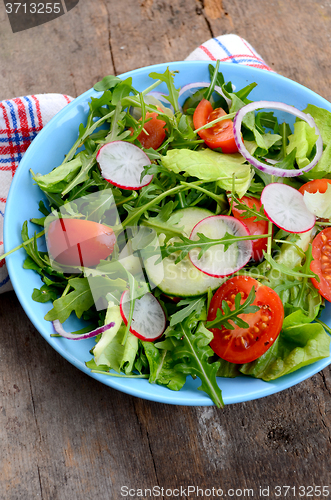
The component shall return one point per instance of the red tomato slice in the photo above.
(243, 345)
(155, 130)
(321, 265)
(315, 185)
(79, 242)
(218, 136)
(254, 226)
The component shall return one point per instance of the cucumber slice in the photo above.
(182, 279)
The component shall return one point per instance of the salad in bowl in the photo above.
(184, 239)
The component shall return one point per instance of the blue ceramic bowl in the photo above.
(47, 151)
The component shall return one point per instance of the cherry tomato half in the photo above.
(79, 242)
(321, 265)
(254, 226)
(155, 131)
(243, 345)
(218, 136)
(315, 185)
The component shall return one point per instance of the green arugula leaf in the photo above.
(225, 314)
(168, 78)
(108, 82)
(283, 269)
(192, 305)
(247, 212)
(79, 300)
(193, 356)
(44, 294)
(163, 223)
(204, 243)
(162, 367)
(31, 247)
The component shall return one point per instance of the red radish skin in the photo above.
(285, 207)
(152, 314)
(241, 228)
(129, 160)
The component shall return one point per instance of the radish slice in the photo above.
(215, 261)
(199, 85)
(264, 167)
(149, 321)
(285, 207)
(72, 336)
(122, 163)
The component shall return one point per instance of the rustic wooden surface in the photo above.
(62, 434)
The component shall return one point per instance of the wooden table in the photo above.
(64, 435)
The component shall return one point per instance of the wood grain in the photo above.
(66, 436)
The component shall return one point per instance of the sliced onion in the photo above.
(67, 335)
(264, 167)
(160, 96)
(157, 99)
(197, 85)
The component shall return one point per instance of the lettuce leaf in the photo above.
(114, 315)
(319, 203)
(162, 367)
(227, 369)
(299, 344)
(116, 356)
(303, 139)
(56, 180)
(210, 165)
(322, 118)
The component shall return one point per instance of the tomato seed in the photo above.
(263, 326)
(265, 318)
(324, 238)
(243, 342)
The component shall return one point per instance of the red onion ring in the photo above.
(269, 169)
(67, 335)
(197, 85)
(160, 96)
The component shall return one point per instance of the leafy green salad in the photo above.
(190, 229)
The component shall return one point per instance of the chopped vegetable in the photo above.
(218, 136)
(220, 260)
(243, 332)
(285, 207)
(122, 164)
(148, 320)
(321, 265)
